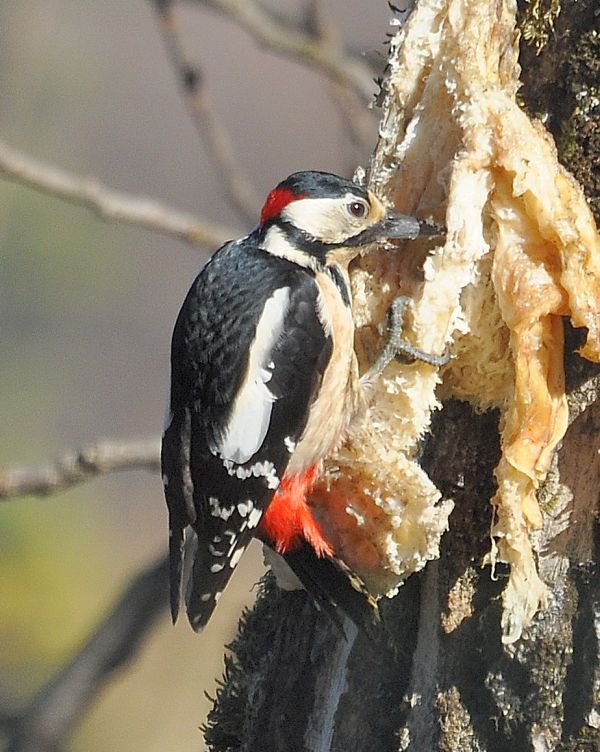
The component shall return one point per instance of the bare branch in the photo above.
(52, 713)
(282, 35)
(108, 204)
(218, 145)
(77, 467)
(356, 119)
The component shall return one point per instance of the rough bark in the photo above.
(442, 680)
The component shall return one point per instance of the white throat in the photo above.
(276, 243)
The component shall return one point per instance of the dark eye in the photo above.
(358, 209)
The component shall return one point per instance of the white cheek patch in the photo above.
(251, 412)
(327, 219)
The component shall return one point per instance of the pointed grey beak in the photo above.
(400, 226)
(404, 226)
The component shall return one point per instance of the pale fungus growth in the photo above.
(521, 251)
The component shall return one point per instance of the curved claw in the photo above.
(408, 353)
(398, 348)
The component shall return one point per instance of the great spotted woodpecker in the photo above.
(265, 382)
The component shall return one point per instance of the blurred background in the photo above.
(87, 309)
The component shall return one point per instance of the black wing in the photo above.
(248, 355)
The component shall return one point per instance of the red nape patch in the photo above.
(288, 519)
(276, 201)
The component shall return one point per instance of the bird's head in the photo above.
(316, 217)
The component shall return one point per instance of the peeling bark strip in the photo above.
(521, 251)
(444, 681)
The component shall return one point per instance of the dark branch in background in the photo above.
(284, 35)
(110, 205)
(76, 467)
(355, 118)
(8, 720)
(218, 146)
(50, 716)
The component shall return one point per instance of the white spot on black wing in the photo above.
(264, 470)
(254, 518)
(237, 555)
(219, 510)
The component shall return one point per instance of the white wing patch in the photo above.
(251, 412)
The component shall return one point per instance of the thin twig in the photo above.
(50, 716)
(77, 467)
(282, 35)
(110, 205)
(218, 145)
(357, 120)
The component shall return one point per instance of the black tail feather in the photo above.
(335, 589)
(176, 555)
(207, 580)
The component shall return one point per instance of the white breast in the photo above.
(331, 412)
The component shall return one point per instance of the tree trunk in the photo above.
(446, 681)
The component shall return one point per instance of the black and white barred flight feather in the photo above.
(255, 316)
